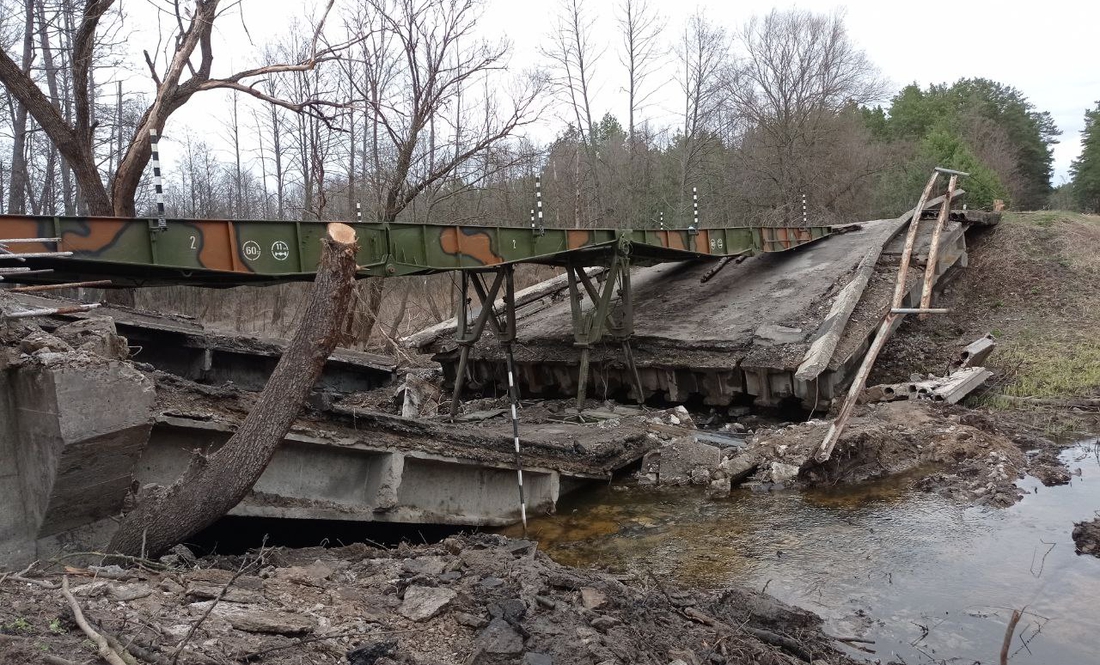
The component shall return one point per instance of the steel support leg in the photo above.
(468, 336)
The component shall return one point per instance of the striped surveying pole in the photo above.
(695, 206)
(532, 219)
(513, 393)
(538, 199)
(158, 183)
(662, 220)
(804, 210)
(358, 213)
(513, 387)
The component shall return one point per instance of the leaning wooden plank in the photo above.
(526, 296)
(821, 350)
(932, 264)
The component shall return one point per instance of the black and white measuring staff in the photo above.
(662, 220)
(804, 210)
(532, 219)
(695, 204)
(158, 184)
(538, 198)
(513, 394)
(358, 213)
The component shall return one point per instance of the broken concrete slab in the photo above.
(264, 620)
(422, 603)
(686, 460)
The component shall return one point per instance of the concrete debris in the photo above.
(541, 613)
(500, 638)
(96, 335)
(261, 620)
(976, 352)
(592, 598)
(949, 389)
(422, 603)
(419, 395)
(686, 460)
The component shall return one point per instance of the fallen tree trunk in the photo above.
(213, 484)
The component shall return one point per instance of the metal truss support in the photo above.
(469, 331)
(590, 326)
(504, 329)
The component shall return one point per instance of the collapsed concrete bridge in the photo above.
(76, 435)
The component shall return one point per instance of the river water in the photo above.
(929, 580)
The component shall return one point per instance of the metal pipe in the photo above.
(55, 287)
(918, 310)
(35, 255)
(50, 312)
(16, 241)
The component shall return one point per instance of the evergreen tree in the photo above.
(1085, 170)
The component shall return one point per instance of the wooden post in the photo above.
(934, 249)
(825, 450)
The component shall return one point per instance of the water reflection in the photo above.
(926, 578)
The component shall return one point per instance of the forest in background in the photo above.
(404, 110)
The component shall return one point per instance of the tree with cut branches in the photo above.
(181, 71)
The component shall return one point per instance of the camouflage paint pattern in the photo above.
(230, 252)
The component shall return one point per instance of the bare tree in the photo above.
(798, 76)
(574, 55)
(703, 52)
(640, 28)
(185, 71)
(426, 55)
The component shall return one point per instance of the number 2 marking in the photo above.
(193, 243)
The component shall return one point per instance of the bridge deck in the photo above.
(228, 253)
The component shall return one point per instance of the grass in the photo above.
(1034, 281)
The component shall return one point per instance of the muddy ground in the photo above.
(1086, 535)
(478, 599)
(1031, 282)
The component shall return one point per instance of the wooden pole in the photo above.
(910, 239)
(934, 249)
(214, 483)
(836, 428)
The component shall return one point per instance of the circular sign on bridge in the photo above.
(251, 250)
(280, 250)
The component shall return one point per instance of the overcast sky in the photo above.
(1046, 50)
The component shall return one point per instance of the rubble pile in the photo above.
(941, 452)
(476, 599)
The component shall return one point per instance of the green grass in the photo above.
(1050, 366)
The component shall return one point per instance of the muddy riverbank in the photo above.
(925, 576)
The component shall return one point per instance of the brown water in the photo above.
(926, 578)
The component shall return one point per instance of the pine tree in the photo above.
(1086, 168)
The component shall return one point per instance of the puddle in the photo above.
(928, 579)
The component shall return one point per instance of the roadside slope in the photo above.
(1032, 282)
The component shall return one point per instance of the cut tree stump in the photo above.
(213, 484)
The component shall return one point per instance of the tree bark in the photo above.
(213, 484)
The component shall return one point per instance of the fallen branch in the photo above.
(19, 577)
(103, 648)
(1009, 631)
